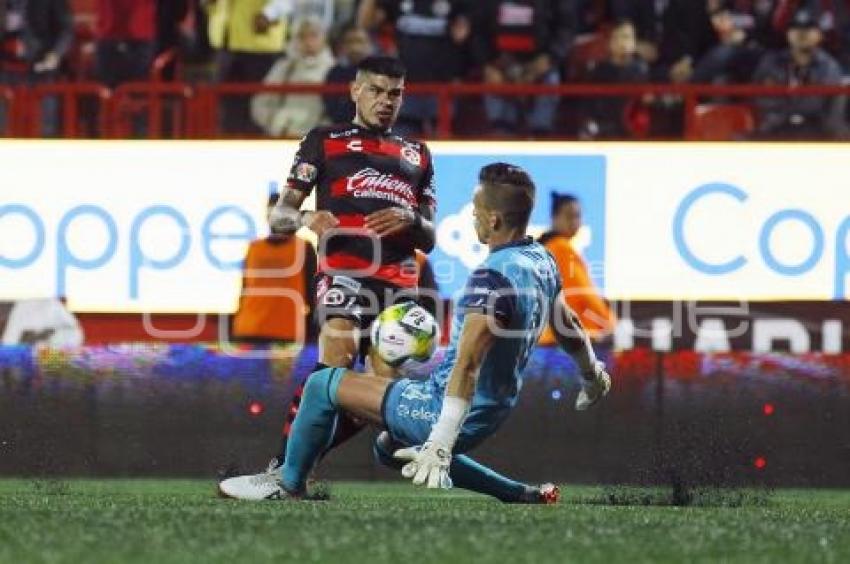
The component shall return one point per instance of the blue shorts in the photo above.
(411, 407)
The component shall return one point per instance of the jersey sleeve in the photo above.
(308, 164)
(490, 293)
(427, 189)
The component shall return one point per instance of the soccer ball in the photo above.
(403, 332)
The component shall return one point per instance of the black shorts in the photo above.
(357, 299)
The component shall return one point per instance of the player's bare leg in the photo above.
(380, 368)
(338, 342)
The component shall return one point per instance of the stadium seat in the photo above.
(720, 122)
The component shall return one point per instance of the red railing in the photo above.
(7, 99)
(180, 110)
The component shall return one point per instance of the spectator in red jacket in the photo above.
(126, 37)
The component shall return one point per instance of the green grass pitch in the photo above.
(163, 521)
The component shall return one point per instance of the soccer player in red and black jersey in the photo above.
(375, 205)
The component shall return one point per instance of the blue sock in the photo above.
(470, 475)
(313, 428)
(466, 474)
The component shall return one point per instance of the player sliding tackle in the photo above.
(496, 324)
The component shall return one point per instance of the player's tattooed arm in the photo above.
(286, 217)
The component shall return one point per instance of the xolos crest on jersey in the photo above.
(411, 155)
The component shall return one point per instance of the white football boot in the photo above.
(255, 487)
(594, 389)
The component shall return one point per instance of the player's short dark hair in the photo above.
(382, 65)
(560, 200)
(509, 190)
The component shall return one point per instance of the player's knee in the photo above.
(323, 384)
(337, 343)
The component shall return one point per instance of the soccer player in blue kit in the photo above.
(430, 424)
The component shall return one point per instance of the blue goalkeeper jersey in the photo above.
(517, 284)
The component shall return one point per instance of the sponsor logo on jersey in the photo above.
(333, 298)
(355, 145)
(482, 290)
(305, 172)
(417, 413)
(415, 394)
(322, 286)
(370, 183)
(411, 155)
(477, 302)
(347, 282)
(346, 133)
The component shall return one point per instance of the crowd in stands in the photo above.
(775, 42)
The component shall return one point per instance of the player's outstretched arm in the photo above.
(573, 339)
(429, 464)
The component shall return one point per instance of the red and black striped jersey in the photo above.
(357, 171)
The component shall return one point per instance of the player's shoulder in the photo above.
(333, 131)
(490, 276)
(526, 247)
(523, 261)
(412, 143)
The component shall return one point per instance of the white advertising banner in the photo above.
(132, 226)
(728, 221)
(162, 226)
